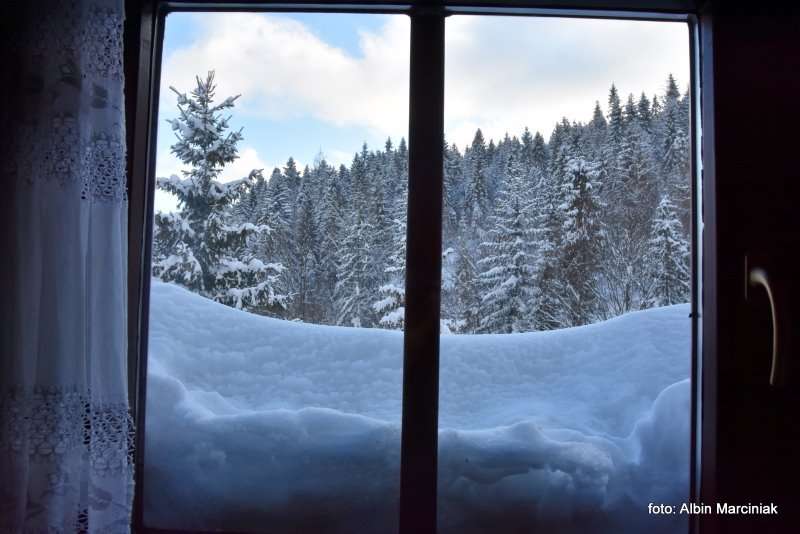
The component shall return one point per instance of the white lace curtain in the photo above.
(66, 436)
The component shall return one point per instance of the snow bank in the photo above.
(257, 423)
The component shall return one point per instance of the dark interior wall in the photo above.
(751, 210)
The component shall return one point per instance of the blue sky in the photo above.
(301, 135)
(329, 82)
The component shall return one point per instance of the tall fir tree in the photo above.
(508, 265)
(391, 304)
(292, 178)
(675, 153)
(355, 284)
(477, 183)
(645, 113)
(330, 230)
(200, 247)
(668, 257)
(467, 291)
(581, 236)
(616, 128)
(305, 267)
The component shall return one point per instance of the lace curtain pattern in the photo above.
(66, 433)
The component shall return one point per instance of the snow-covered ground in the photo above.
(276, 426)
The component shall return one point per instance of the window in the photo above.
(306, 396)
(564, 401)
(275, 341)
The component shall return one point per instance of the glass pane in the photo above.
(275, 350)
(566, 346)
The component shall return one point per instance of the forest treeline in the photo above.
(538, 234)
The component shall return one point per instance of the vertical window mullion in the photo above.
(423, 274)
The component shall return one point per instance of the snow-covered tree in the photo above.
(637, 190)
(597, 131)
(453, 209)
(305, 267)
(581, 236)
(675, 147)
(292, 178)
(391, 305)
(201, 247)
(668, 257)
(616, 126)
(645, 113)
(356, 285)
(330, 230)
(476, 180)
(508, 264)
(467, 292)
(539, 155)
(358, 277)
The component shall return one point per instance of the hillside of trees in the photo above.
(538, 234)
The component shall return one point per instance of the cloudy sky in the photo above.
(313, 83)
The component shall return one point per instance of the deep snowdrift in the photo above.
(287, 427)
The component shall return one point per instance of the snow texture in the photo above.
(261, 424)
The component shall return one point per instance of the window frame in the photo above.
(144, 32)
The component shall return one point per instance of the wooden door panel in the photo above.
(751, 435)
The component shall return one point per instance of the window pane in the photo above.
(275, 349)
(566, 346)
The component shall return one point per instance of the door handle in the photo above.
(757, 276)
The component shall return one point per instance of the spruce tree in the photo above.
(631, 112)
(675, 149)
(645, 113)
(453, 192)
(668, 257)
(358, 277)
(355, 286)
(477, 183)
(467, 291)
(581, 236)
(597, 131)
(200, 246)
(292, 178)
(508, 265)
(331, 229)
(391, 305)
(539, 156)
(616, 124)
(304, 271)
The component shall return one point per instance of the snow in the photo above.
(219, 190)
(175, 183)
(253, 421)
(228, 265)
(394, 317)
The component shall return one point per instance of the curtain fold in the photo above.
(66, 433)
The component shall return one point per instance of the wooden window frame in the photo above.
(144, 31)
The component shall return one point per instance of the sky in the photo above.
(314, 83)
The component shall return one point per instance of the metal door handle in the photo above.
(758, 277)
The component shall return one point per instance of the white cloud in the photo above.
(247, 161)
(282, 70)
(505, 73)
(167, 164)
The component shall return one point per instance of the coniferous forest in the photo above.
(539, 234)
